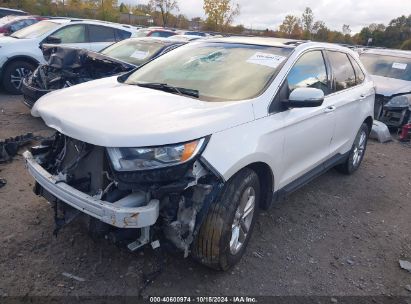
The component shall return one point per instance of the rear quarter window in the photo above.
(99, 33)
(121, 35)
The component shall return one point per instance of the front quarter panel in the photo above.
(231, 150)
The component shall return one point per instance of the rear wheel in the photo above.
(357, 152)
(225, 232)
(14, 74)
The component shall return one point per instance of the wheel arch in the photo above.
(369, 122)
(266, 178)
(20, 58)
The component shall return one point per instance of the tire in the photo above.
(354, 159)
(13, 75)
(221, 242)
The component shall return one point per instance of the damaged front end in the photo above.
(396, 111)
(67, 67)
(136, 207)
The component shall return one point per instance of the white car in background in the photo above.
(20, 52)
(195, 142)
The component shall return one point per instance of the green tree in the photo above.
(220, 13)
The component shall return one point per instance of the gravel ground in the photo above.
(339, 235)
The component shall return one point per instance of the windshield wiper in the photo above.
(169, 88)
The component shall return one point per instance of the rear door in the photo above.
(100, 36)
(349, 93)
(308, 131)
(73, 35)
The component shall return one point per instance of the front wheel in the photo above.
(357, 152)
(14, 74)
(227, 228)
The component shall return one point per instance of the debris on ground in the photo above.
(405, 265)
(408, 287)
(72, 276)
(380, 132)
(10, 146)
(3, 182)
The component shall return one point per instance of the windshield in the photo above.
(387, 66)
(218, 71)
(133, 51)
(35, 30)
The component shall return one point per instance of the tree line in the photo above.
(220, 16)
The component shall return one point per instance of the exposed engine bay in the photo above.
(184, 192)
(394, 111)
(67, 67)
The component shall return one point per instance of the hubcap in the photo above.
(359, 149)
(242, 220)
(16, 78)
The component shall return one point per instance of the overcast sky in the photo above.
(263, 14)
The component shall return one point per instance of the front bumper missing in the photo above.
(121, 217)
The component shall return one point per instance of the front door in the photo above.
(308, 131)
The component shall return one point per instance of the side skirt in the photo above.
(309, 176)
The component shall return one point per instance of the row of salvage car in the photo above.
(183, 142)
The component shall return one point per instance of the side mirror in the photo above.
(305, 98)
(53, 40)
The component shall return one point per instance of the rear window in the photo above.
(101, 33)
(344, 75)
(387, 66)
(134, 51)
(162, 34)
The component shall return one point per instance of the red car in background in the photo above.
(11, 24)
(155, 32)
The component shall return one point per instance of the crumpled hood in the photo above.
(111, 114)
(390, 86)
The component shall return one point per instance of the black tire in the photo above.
(212, 245)
(16, 68)
(350, 165)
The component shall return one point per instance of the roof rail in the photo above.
(296, 42)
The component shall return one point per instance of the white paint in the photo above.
(292, 142)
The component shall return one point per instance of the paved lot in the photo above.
(339, 235)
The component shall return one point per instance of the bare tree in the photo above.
(165, 7)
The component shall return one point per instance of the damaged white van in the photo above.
(186, 149)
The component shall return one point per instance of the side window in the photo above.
(121, 35)
(99, 33)
(359, 74)
(71, 34)
(343, 71)
(309, 72)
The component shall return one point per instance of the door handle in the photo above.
(330, 109)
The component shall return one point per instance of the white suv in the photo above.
(20, 52)
(191, 145)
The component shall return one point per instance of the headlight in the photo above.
(134, 159)
(399, 102)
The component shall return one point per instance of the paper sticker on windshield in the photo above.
(399, 66)
(139, 54)
(266, 59)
